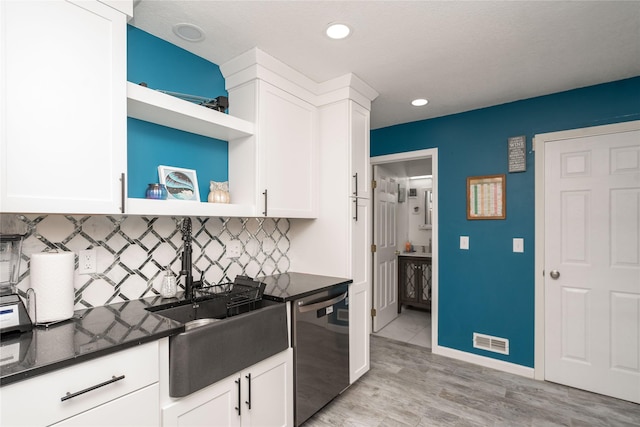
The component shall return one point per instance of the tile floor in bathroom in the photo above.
(412, 326)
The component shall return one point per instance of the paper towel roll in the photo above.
(52, 281)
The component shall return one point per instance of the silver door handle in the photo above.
(302, 308)
(554, 274)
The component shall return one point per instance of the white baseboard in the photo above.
(487, 362)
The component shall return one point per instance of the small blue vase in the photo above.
(156, 192)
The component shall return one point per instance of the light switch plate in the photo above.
(464, 242)
(518, 244)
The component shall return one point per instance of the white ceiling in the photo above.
(461, 55)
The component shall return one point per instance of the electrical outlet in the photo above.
(87, 261)
(234, 249)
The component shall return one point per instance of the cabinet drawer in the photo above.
(38, 401)
(139, 409)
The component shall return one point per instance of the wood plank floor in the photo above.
(409, 386)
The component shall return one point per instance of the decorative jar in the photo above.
(219, 192)
(169, 286)
(157, 192)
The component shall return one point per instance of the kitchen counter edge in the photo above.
(94, 332)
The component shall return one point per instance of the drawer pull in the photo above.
(86, 390)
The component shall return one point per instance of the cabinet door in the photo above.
(63, 88)
(411, 281)
(360, 167)
(360, 289)
(425, 283)
(140, 408)
(268, 392)
(216, 405)
(359, 329)
(287, 153)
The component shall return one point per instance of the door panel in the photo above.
(592, 262)
(385, 258)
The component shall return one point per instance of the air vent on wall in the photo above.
(487, 342)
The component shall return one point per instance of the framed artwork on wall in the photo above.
(486, 197)
(182, 184)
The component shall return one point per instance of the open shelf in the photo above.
(149, 207)
(166, 110)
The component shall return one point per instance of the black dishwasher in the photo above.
(320, 349)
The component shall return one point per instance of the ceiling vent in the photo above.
(489, 343)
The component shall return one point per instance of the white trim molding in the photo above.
(487, 362)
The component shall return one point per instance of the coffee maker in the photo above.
(14, 317)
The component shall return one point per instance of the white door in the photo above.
(592, 260)
(385, 260)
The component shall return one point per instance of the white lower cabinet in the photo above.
(360, 291)
(120, 389)
(261, 395)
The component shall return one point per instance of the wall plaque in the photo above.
(517, 153)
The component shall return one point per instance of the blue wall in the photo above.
(489, 289)
(167, 67)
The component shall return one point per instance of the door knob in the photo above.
(554, 274)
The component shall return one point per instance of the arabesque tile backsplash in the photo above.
(133, 251)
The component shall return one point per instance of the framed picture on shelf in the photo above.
(182, 184)
(486, 197)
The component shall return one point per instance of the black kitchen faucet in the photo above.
(186, 271)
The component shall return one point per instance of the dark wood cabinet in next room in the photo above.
(414, 282)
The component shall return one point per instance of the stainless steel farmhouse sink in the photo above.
(219, 341)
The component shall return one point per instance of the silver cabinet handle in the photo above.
(355, 193)
(265, 202)
(70, 395)
(355, 201)
(122, 191)
(554, 274)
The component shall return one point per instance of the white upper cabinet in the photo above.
(280, 163)
(360, 167)
(63, 121)
(287, 154)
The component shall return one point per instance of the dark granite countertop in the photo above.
(99, 331)
(290, 286)
(91, 333)
(415, 254)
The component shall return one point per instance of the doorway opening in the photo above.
(405, 235)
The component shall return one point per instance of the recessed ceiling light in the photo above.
(338, 31)
(189, 32)
(419, 102)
